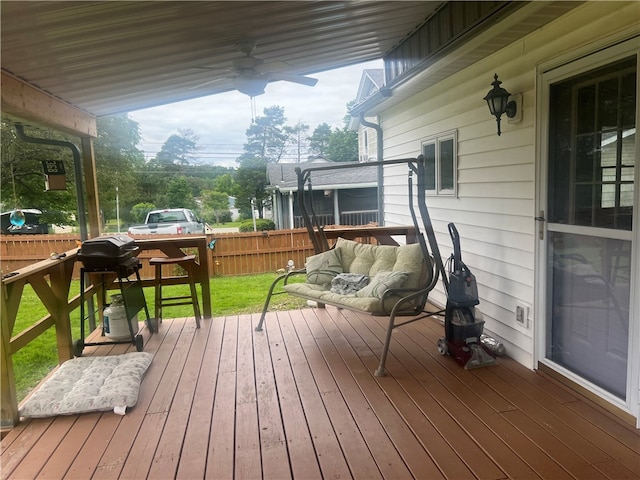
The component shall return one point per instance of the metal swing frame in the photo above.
(430, 250)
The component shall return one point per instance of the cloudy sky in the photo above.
(221, 120)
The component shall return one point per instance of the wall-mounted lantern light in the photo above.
(498, 101)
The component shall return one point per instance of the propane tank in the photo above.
(106, 313)
(115, 323)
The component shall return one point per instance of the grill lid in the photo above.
(107, 251)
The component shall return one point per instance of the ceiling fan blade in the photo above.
(272, 67)
(209, 82)
(301, 79)
(212, 68)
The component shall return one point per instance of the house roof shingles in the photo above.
(283, 175)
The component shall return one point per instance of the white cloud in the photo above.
(222, 120)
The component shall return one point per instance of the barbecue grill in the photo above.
(105, 256)
(109, 253)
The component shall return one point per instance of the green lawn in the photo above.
(230, 295)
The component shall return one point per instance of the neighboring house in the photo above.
(549, 211)
(347, 197)
(370, 83)
(235, 214)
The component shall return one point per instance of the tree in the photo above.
(22, 180)
(117, 158)
(343, 146)
(215, 205)
(339, 145)
(298, 141)
(266, 137)
(319, 140)
(225, 184)
(251, 184)
(178, 149)
(179, 194)
(266, 142)
(140, 210)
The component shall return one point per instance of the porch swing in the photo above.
(400, 277)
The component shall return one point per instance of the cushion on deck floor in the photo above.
(90, 384)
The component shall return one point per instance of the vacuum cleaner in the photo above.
(463, 338)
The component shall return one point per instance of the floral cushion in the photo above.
(90, 384)
(323, 267)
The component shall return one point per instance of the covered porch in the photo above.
(300, 400)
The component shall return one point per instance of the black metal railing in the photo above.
(352, 218)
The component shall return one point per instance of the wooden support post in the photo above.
(8, 400)
(91, 186)
(60, 286)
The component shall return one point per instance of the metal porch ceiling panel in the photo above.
(113, 56)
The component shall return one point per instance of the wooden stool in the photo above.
(188, 263)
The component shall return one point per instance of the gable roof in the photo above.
(282, 176)
(371, 81)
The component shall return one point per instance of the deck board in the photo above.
(247, 453)
(275, 459)
(220, 460)
(193, 456)
(382, 449)
(303, 459)
(439, 431)
(352, 443)
(299, 400)
(327, 447)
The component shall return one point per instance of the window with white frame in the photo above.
(441, 164)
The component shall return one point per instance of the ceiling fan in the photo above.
(250, 75)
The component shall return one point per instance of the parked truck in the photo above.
(169, 221)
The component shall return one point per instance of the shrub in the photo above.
(261, 224)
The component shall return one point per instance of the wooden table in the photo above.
(172, 247)
(382, 234)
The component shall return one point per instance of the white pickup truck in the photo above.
(169, 221)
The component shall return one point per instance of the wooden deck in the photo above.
(300, 400)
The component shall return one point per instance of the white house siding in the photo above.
(368, 143)
(495, 207)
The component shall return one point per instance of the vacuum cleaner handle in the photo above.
(457, 255)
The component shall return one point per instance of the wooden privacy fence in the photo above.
(232, 253)
(261, 252)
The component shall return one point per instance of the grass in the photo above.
(230, 296)
(237, 223)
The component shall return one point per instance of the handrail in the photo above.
(54, 295)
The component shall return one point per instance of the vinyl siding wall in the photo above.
(495, 207)
(367, 143)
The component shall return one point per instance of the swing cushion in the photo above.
(387, 266)
(324, 267)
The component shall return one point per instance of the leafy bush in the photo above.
(139, 211)
(261, 224)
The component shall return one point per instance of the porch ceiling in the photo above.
(109, 57)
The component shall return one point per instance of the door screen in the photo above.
(591, 193)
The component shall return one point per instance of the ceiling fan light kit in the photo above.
(250, 85)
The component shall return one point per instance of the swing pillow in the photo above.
(382, 282)
(324, 267)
